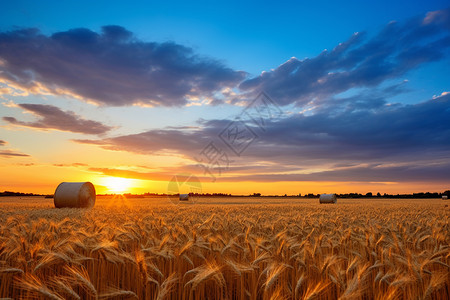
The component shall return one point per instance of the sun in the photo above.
(117, 185)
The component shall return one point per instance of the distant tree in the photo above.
(369, 194)
(378, 194)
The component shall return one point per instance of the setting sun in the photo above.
(117, 185)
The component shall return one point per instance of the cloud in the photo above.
(155, 142)
(400, 139)
(359, 62)
(71, 165)
(110, 68)
(432, 173)
(390, 131)
(52, 117)
(11, 153)
(157, 176)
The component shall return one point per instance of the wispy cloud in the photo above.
(71, 165)
(110, 68)
(11, 153)
(359, 62)
(52, 117)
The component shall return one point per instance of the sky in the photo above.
(235, 97)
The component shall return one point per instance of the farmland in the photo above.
(225, 248)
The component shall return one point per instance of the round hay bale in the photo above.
(444, 197)
(327, 198)
(74, 194)
(184, 197)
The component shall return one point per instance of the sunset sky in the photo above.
(277, 98)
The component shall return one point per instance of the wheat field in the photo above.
(225, 248)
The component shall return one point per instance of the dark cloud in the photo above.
(2, 143)
(155, 142)
(115, 68)
(397, 131)
(52, 117)
(432, 173)
(111, 67)
(406, 135)
(358, 62)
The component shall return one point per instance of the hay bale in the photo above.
(445, 197)
(74, 194)
(184, 197)
(327, 198)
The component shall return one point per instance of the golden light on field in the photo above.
(225, 248)
(117, 185)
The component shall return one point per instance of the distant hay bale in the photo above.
(184, 197)
(444, 197)
(327, 198)
(74, 194)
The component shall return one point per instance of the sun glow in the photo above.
(117, 185)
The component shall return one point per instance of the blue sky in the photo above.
(113, 79)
